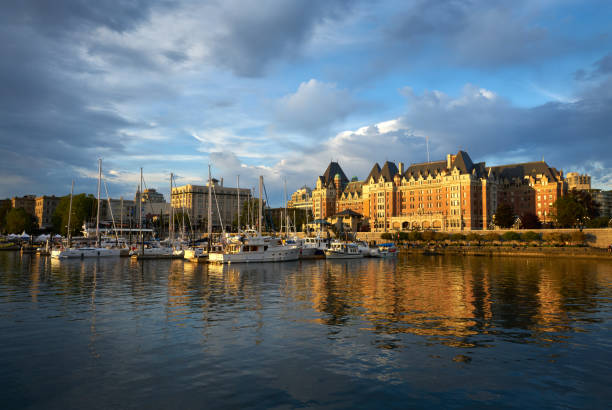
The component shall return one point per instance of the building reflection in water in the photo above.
(455, 301)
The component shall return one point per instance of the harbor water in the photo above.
(405, 332)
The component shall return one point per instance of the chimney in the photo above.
(221, 182)
(400, 168)
(449, 161)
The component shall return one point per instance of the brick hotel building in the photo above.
(452, 194)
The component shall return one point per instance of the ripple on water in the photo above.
(424, 331)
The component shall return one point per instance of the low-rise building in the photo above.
(27, 202)
(44, 209)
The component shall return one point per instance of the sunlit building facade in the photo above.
(451, 194)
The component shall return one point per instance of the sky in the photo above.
(279, 88)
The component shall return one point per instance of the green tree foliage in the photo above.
(504, 215)
(4, 210)
(18, 220)
(569, 212)
(529, 220)
(585, 199)
(441, 236)
(83, 209)
(600, 222)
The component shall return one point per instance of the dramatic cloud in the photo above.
(270, 87)
(314, 106)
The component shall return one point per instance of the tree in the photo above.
(585, 199)
(18, 220)
(529, 220)
(4, 210)
(600, 222)
(83, 209)
(569, 212)
(504, 216)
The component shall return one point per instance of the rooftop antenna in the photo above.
(427, 143)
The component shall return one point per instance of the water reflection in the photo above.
(298, 332)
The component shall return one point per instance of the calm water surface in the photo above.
(452, 332)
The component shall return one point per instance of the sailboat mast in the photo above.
(121, 217)
(70, 212)
(98, 210)
(238, 202)
(209, 216)
(171, 221)
(286, 212)
(140, 214)
(260, 203)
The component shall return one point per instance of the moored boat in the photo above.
(343, 250)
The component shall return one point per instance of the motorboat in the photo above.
(255, 248)
(343, 250)
(386, 250)
(313, 247)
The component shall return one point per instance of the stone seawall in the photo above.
(599, 238)
(545, 252)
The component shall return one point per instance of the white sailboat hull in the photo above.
(84, 253)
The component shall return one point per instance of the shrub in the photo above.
(578, 237)
(456, 237)
(531, 236)
(440, 236)
(386, 236)
(474, 237)
(415, 236)
(428, 235)
(511, 236)
(492, 237)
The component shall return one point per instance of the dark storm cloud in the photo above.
(56, 18)
(256, 36)
(52, 115)
(472, 32)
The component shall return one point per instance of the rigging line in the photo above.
(111, 210)
(218, 211)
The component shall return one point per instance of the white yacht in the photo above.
(343, 250)
(256, 248)
(253, 247)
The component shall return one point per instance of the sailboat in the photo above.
(96, 251)
(196, 254)
(253, 247)
(154, 250)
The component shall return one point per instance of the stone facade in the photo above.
(194, 200)
(44, 209)
(578, 181)
(301, 199)
(27, 202)
(453, 194)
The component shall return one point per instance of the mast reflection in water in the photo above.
(418, 331)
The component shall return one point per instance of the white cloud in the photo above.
(314, 106)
